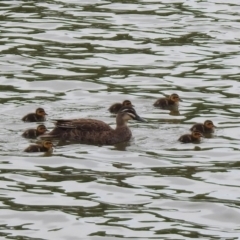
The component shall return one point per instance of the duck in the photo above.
(34, 133)
(195, 136)
(169, 102)
(44, 146)
(115, 108)
(206, 127)
(92, 131)
(38, 116)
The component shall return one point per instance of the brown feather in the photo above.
(201, 128)
(41, 147)
(189, 138)
(93, 131)
(115, 108)
(170, 102)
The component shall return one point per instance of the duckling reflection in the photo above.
(194, 137)
(34, 133)
(115, 108)
(92, 131)
(170, 103)
(44, 146)
(38, 116)
(174, 112)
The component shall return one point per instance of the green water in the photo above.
(74, 59)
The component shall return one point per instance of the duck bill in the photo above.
(138, 118)
(45, 114)
(214, 126)
(180, 100)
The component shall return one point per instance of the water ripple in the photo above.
(75, 58)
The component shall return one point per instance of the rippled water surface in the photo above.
(75, 58)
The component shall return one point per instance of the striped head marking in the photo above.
(40, 112)
(129, 113)
(209, 124)
(127, 103)
(41, 128)
(197, 134)
(175, 98)
(47, 144)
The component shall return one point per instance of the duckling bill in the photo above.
(92, 131)
(169, 102)
(115, 108)
(194, 137)
(34, 133)
(38, 116)
(45, 146)
(206, 127)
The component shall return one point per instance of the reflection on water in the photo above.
(76, 58)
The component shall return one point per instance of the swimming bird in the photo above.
(45, 146)
(38, 116)
(33, 133)
(206, 127)
(117, 106)
(169, 102)
(195, 136)
(92, 131)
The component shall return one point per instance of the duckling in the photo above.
(45, 146)
(195, 136)
(38, 116)
(206, 127)
(91, 131)
(169, 102)
(117, 106)
(33, 133)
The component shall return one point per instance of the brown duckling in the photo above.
(117, 106)
(206, 127)
(195, 136)
(91, 131)
(45, 146)
(169, 102)
(33, 133)
(38, 116)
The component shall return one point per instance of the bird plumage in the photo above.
(115, 108)
(92, 131)
(38, 116)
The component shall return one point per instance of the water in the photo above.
(76, 58)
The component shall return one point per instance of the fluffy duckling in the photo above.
(195, 136)
(38, 116)
(92, 131)
(206, 127)
(117, 106)
(169, 102)
(33, 133)
(45, 146)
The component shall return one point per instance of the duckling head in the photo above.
(209, 124)
(197, 134)
(175, 98)
(127, 103)
(41, 129)
(47, 144)
(40, 112)
(129, 113)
